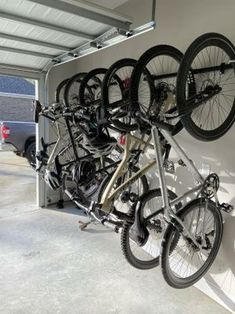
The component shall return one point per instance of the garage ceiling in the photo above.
(35, 33)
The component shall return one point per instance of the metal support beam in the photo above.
(92, 12)
(34, 42)
(109, 38)
(26, 20)
(41, 131)
(26, 52)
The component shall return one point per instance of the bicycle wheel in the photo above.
(184, 264)
(206, 77)
(153, 83)
(59, 93)
(71, 90)
(148, 255)
(90, 88)
(115, 94)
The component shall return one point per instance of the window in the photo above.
(16, 96)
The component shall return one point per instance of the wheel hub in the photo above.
(209, 87)
(165, 96)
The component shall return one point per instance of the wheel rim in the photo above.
(212, 114)
(71, 91)
(90, 89)
(118, 88)
(157, 68)
(162, 71)
(185, 262)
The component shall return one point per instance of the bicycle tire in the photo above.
(195, 53)
(59, 93)
(84, 87)
(77, 78)
(174, 280)
(118, 75)
(125, 235)
(142, 65)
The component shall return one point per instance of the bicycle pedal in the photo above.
(227, 208)
(83, 225)
(181, 163)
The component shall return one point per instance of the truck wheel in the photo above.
(30, 153)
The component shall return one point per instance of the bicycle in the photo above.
(181, 227)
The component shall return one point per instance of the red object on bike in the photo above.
(126, 83)
(122, 139)
(5, 132)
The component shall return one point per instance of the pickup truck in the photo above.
(19, 137)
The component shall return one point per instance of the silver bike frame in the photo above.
(166, 204)
(57, 147)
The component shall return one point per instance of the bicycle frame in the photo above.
(166, 204)
(57, 146)
(132, 143)
(57, 150)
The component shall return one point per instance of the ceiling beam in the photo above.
(26, 52)
(34, 42)
(92, 12)
(26, 20)
(111, 37)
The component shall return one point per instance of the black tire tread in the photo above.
(32, 162)
(105, 90)
(85, 80)
(181, 284)
(130, 258)
(69, 84)
(198, 44)
(58, 90)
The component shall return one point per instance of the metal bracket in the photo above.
(111, 37)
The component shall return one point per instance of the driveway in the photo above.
(17, 185)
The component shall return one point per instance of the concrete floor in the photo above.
(47, 265)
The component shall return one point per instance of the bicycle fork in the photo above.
(168, 212)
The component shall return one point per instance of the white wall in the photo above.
(178, 23)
